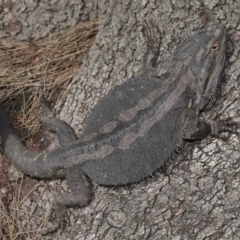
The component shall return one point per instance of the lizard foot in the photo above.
(152, 35)
(61, 219)
(224, 124)
(80, 195)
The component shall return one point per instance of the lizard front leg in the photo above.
(196, 129)
(152, 36)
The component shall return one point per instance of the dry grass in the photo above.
(15, 219)
(44, 68)
(28, 72)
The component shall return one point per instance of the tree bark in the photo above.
(198, 197)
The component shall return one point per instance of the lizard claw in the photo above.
(61, 219)
(151, 33)
(224, 124)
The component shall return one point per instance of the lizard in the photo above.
(136, 128)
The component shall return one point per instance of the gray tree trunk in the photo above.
(30, 19)
(198, 196)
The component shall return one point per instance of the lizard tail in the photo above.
(18, 154)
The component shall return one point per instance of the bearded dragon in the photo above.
(137, 127)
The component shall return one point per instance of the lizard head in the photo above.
(204, 54)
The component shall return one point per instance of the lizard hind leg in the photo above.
(78, 182)
(80, 195)
(64, 131)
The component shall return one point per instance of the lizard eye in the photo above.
(215, 47)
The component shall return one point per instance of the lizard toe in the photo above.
(61, 219)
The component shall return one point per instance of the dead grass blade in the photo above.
(45, 67)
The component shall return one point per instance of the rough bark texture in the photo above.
(198, 196)
(24, 20)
